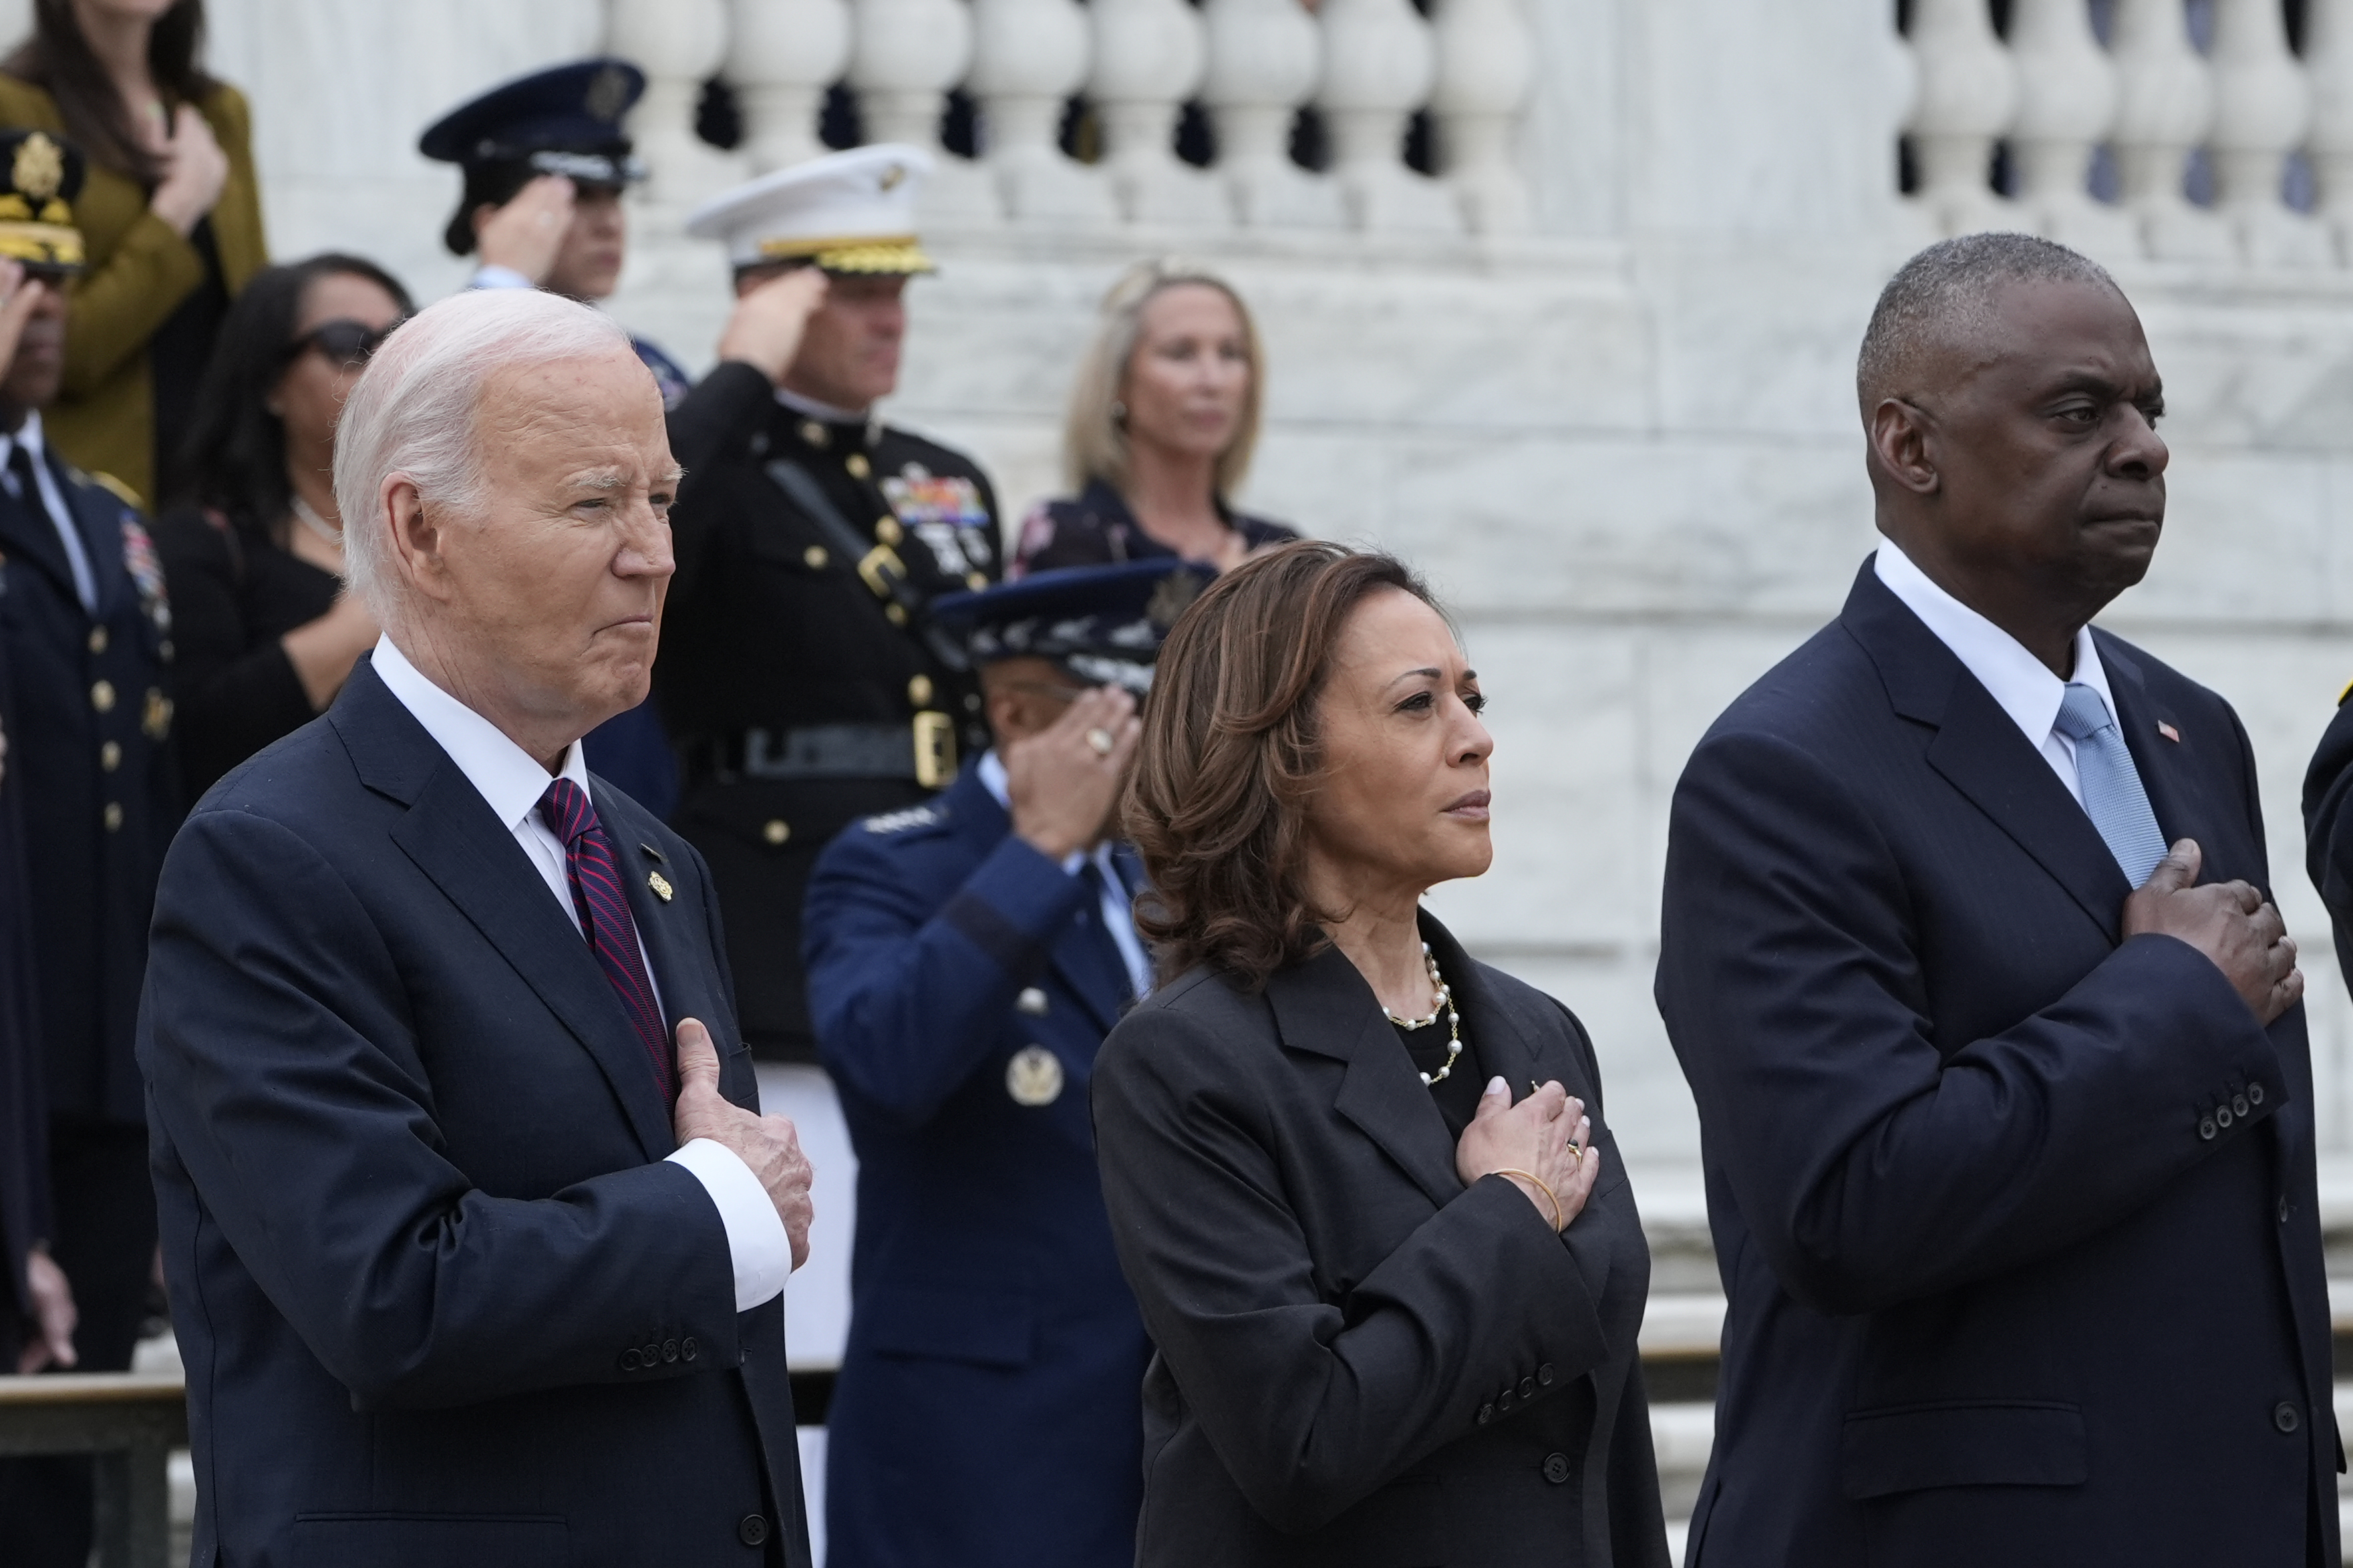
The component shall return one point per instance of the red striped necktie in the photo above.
(604, 911)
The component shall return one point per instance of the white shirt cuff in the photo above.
(756, 1243)
(495, 277)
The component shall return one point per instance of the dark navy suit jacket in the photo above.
(440, 1297)
(2017, 1221)
(988, 1409)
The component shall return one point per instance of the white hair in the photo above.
(413, 411)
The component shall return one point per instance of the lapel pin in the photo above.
(2168, 731)
(660, 884)
(650, 850)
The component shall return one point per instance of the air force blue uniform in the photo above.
(987, 1410)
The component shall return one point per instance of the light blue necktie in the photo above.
(2112, 796)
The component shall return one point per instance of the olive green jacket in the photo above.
(140, 270)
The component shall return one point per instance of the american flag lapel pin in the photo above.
(2168, 731)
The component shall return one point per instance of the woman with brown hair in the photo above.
(170, 219)
(1164, 418)
(1360, 1185)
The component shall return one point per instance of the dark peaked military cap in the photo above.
(1101, 624)
(36, 221)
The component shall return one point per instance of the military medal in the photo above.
(1034, 1076)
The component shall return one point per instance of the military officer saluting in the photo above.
(801, 677)
(87, 631)
(965, 958)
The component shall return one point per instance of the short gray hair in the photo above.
(412, 410)
(1095, 439)
(1945, 294)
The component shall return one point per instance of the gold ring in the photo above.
(1100, 740)
(1575, 1153)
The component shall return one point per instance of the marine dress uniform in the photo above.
(564, 121)
(803, 682)
(86, 627)
(987, 1407)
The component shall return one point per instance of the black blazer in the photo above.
(1359, 1361)
(2016, 1223)
(440, 1297)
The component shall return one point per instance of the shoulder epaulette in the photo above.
(122, 491)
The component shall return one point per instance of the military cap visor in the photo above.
(1100, 624)
(851, 212)
(564, 121)
(36, 221)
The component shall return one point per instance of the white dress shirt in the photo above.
(1118, 913)
(512, 782)
(51, 500)
(2020, 683)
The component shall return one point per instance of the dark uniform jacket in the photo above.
(1095, 528)
(92, 713)
(441, 1296)
(1962, 1141)
(798, 699)
(1360, 1360)
(987, 1411)
(24, 1122)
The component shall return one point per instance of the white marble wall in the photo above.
(1625, 447)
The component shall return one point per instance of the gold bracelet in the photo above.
(1558, 1224)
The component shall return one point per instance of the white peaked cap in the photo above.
(848, 212)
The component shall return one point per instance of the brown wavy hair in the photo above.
(1231, 753)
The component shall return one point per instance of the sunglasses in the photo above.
(342, 342)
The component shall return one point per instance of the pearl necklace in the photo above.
(1443, 1004)
(317, 524)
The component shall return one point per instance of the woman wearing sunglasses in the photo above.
(253, 548)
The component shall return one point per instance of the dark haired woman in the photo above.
(1360, 1183)
(254, 549)
(170, 219)
(1164, 417)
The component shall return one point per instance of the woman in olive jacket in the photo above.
(1360, 1183)
(170, 217)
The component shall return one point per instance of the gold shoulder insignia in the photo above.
(122, 491)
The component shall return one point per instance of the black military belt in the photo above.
(923, 751)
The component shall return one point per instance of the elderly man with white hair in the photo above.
(475, 1237)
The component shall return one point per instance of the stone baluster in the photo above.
(2262, 106)
(905, 55)
(1378, 67)
(678, 43)
(2066, 101)
(1967, 98)
(1028, 57)
(786, 53)
(2165, 108)
(1264, 59)
(1149, 57)
(2328, 58)
(1486, 62)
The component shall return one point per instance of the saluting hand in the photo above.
(1533, 1137)
(768, 1144)
(2230, 922)
(765, 327)
(525, 235)
(1063, 779)
(18, 300)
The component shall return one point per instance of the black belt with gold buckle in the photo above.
(923, 751)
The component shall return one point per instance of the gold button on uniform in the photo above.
(975, 581)
(777, 830)
(856, 465)
(97, 639)
(816, 435)
(102, 696)
(895, 614)
(919, 692)
(114, 817)
(1034, 1076)
(888, 531)
(109, 756)
(815, 557)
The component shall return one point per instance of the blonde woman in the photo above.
(1163, 420)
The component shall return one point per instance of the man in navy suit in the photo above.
(469, 1266)
(87, 627)
(2005, 1106)
(965, 958)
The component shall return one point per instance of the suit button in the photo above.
(1543, 1374)
(1556, 1469)
(1503, 1400)
(2206, 1128)
(777, 831)
(2285, 1416)
(650, 1353)
(109, 756)
(632, 1361)
(97, 639)
(2222, 1116)
(102, 696)
(669, 1350)
(752, 1529)
(1486, 1413)
(887, 528)
(859, 468)
(1528, 1388)
(688, 1350)
(815, 557)
(2255, 1094)
(114, 817)
(2238, 1105)
(919, 690)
